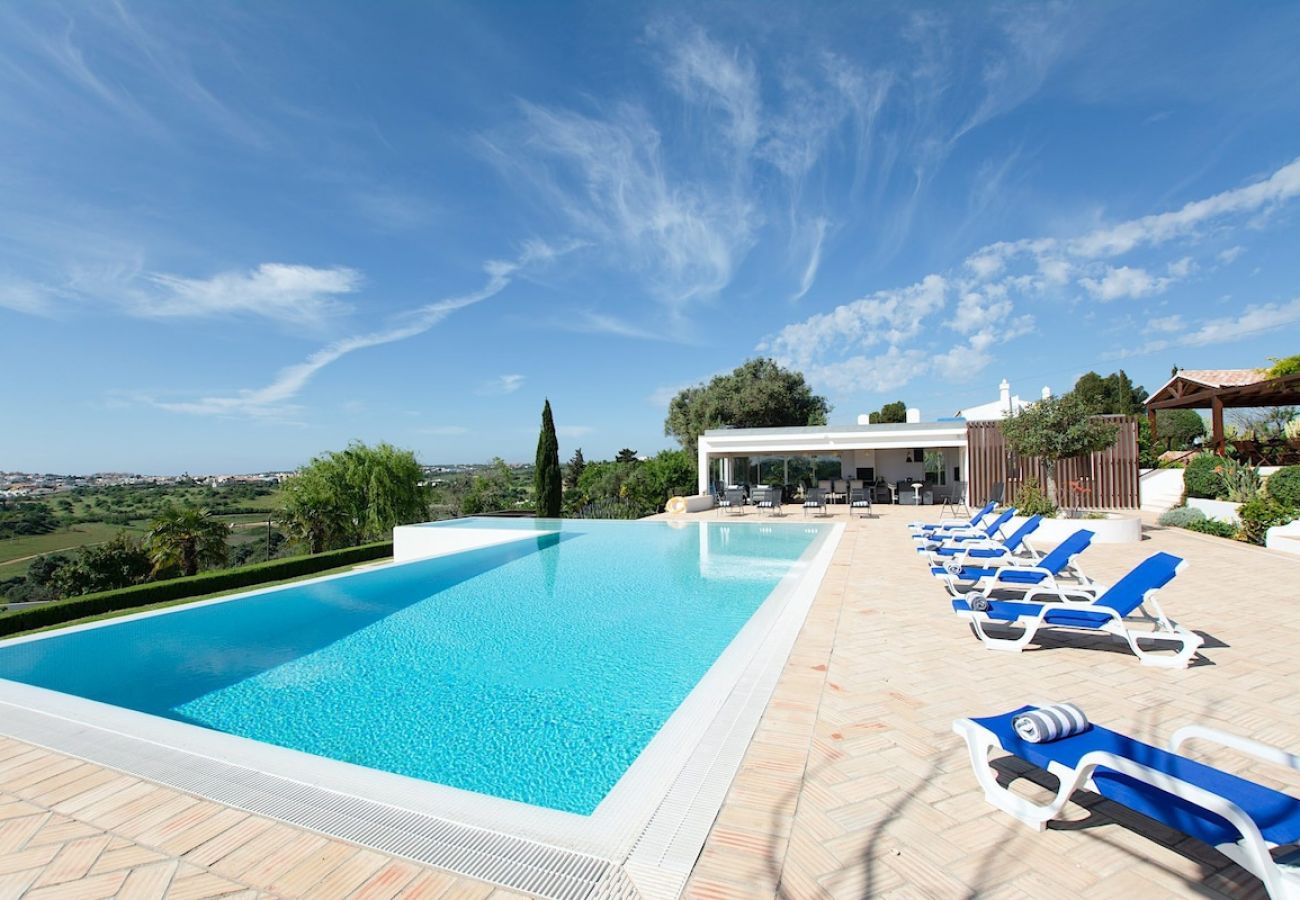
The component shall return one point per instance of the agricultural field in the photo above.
(16, 553)
(88, 516)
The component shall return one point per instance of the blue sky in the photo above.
(235, 235)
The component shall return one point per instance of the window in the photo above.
(935, 473)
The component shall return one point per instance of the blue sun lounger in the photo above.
(929, 527)
(986, 533)
(1239, 818)
(973, 572)
(1107, 614)
(988, 550)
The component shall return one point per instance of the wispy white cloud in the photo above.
(988, 298)
(294, 294)
(444, 430)
(1124, 281)
(891, 316)
(273, 400)
(1279, 187)
(27, 297)
(573, 432)
(502, 384)
(683, 236)
(711, 76)
(817, 231)
(1251, 321)
(587, 321)
(1230, 254)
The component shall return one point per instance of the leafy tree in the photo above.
(758, 394)
(1113, 394)
(1286, 365)
(491, 491)
(1264, 424)
(1176, 429)
(186, 537)
(890, 413)
(1054, 429)
(118, 563)
(348, 497)
(626, 455)
(548, 492)
(667, 473)
(573, 471)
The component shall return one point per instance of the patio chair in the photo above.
(1241, 819)
(839, 491)
(987, 532)
(996, 493)
(973, 522)
(768, 499)
(815, 500)
(964, 574)
(860, 501)
(988, 551)
(952, 501)
(733, 501)
(1107, 614)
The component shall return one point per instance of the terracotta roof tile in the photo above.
(1224, 377)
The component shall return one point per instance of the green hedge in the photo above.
(1284, 486)
(1200, 478)
(181, 588)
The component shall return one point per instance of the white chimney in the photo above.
(1004, 394)
(1047, 393)
(913, 415)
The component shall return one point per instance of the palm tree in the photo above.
(186, 537)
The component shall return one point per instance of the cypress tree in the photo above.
(546, 473)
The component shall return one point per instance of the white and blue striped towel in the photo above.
(1050, 723)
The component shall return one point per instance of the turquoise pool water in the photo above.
(535, 670)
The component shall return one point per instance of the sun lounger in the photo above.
(1242, 819)
(987, 533)
(986, 550)
(966, 573)
(973, 522)
(1107, 614)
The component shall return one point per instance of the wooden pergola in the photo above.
(1220, 389)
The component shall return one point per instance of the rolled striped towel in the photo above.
(1050, 723)
(977, 601)
(953, 568)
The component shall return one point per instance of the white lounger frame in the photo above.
(1163, 630)
(1085, 591)
(1281, 878)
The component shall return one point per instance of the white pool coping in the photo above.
(642, 839)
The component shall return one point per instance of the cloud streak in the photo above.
(985, 299)
(271, 400)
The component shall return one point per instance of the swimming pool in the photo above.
(537, 670)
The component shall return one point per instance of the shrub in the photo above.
(1203, 477)
(1214, 527)
(1182, 517)
(1031, 501)
(1284, 486)
(1259, 515)
(181, 588)
(1240, 480)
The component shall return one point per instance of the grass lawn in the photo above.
(117, 614)
(15, 552)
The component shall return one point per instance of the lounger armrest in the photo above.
(1215, 803)
(1257, 749)
(1068, 594)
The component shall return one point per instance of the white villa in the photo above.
(892, 459)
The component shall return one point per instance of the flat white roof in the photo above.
(833, 438)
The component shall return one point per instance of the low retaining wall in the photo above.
(1219, 510)
(1115, 529)
(422, 541)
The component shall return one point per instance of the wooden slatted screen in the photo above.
(1109, 477)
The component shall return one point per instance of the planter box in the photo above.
(1219, 510)
(1285, 538)
(1116, 528)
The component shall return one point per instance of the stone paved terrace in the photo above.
(854, 785)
